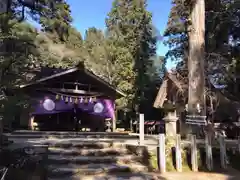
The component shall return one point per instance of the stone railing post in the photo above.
(162, 153)
(194, 159)
(178, 153)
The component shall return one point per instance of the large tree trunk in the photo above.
(196, 94)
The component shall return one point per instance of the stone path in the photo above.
(86, 158)
(101, 158)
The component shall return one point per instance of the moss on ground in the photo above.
(185, 160)
(154, 160)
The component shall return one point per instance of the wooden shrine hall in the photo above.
(71, 99)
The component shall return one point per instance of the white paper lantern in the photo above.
(98, 108)
(49, 105)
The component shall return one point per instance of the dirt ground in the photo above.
(166, 176)
(200, 176)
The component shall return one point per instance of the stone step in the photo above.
(67, 132)
(80, 140)
(58, 159)
(34, 136)
(67, 170)
(72, 140)
(53, 141)
(87, 152)
(58, 134)
(84, 145)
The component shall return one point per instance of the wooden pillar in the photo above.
(114, 116)
(131, 125)
(239, 144)
(196, 93)
(31, 122)
(1, 130)
(223, 153)
(114, 121)
(208, 147)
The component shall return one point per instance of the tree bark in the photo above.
(196, 88)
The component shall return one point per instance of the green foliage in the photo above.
(56, 19)
(99, 55)
(222, 40)
(22, 48)
(130, 31)
(18, 50)
(124, 55)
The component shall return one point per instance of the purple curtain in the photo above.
(101, 107)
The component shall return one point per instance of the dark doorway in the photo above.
(70, 121)
(55, 122)
(87, 120)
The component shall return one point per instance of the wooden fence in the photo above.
(194, 152)
(220, 143)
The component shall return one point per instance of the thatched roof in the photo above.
(227, 103)
(177, 80)
(162, 94)
(169, 78)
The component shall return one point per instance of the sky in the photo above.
(92, 13)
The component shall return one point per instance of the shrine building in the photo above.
(64, 98)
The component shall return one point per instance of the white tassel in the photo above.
(81, 100)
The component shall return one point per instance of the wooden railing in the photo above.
(194, 147)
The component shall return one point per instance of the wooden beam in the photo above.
(50, 77)
(70, 83)
(74, 91)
